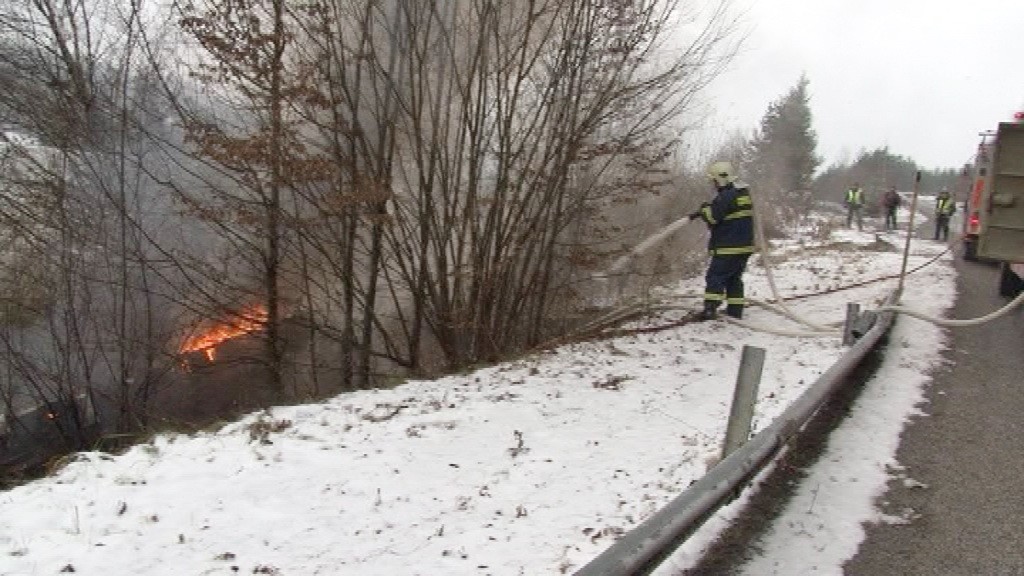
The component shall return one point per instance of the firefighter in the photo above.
(729, 217)
(944, 209)
(854, 203)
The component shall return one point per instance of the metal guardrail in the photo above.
(642, 549)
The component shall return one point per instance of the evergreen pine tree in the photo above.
(878, 170)
(781, 158)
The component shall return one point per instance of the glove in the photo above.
(699, 213)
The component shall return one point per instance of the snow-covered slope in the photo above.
(526, 468)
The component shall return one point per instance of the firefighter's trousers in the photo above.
(724, 283)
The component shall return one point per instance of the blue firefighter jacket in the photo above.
(730, 218)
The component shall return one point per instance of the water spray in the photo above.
(608, 296)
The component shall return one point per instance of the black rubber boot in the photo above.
(735, 310)
(710, 311)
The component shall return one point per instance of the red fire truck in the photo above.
(994, 209)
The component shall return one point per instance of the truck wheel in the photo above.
(970, 251)
(1010, 284)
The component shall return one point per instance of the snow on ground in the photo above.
(526, 468)
(822, 525)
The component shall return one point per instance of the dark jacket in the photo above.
(730, 218)
(892, 200)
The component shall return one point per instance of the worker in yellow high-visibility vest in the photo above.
(944, 209)
(854, 203)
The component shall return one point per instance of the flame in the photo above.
(248, 320)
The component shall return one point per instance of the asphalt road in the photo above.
(968, 451)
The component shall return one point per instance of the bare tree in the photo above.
(397, 177)
(525, 121)
(484, 142)
(71, 83)
(490, 145)
(247, 44)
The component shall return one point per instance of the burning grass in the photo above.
(209, 335)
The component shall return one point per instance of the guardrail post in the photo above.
(742, 412)
(645, 547)
(852, 312)
(863, 323)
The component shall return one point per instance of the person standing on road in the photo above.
(730, 218)
(944, 209)
(891, 202)
(854, 203)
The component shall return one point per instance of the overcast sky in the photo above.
(921, 76)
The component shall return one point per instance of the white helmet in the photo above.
(721, 172)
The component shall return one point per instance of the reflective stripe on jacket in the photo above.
(730, 218)
(855, 196)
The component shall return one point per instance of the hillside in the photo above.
(531, 467)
